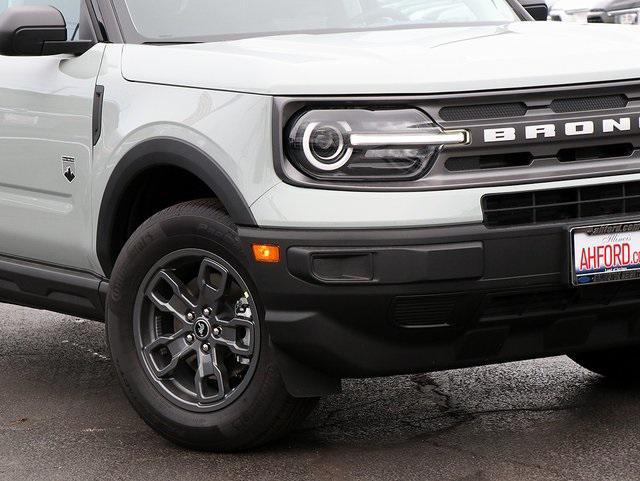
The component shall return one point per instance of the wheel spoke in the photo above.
(210, 295)
(242, 346)
(211, 366)
(197, 331)
(180, 301)
(176, 345)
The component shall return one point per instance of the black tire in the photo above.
(264, 410)
(619, 365)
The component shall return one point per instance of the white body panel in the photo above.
(289, 206)
(46, 105)
(234, 129)
(411, 61)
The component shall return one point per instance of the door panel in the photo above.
(46, 107)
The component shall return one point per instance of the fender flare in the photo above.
(173, 153)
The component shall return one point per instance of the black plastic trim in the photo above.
(514, 301)
(52, 288)
(105, 21)
(164, 152)
(520, 10)
(387, 265)
(78, 47)
(98, 102)
(538, 10)
(96, 23)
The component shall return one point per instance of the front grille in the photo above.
(489, 111)
(558, 205)
(496, 161)
(454, 310)
(609, 149)
(586, 104)
(424, 311)
(498, 307)
(458, 113)
(595, 152)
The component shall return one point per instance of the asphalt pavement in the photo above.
(63, 417)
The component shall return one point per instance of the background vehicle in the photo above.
(264, 198)
(623, 12)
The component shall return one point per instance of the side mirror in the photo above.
(36, 30)
(539, 12)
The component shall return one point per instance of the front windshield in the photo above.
(202, 20)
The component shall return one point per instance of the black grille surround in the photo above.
(523, 160)
(514, 162)
(561, 205)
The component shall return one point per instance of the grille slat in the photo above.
(488, 111)
(532, 306)
(456, 113)
(561, 204)
(424, 310)
(483, 162)
(503, 210)
(586, 104)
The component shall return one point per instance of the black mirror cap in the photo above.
(539, 12)
(24, 30)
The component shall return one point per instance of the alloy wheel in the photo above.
(196, 328)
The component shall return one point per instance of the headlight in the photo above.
(359, 144)
(626, 17)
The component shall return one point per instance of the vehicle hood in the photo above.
(409, 61)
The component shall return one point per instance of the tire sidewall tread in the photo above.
(253, 418)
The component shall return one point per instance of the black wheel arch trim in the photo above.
(174, 153)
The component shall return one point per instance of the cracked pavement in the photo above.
(63, 416)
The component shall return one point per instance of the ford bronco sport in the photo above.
(263, 198)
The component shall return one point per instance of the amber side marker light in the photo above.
(266, 253)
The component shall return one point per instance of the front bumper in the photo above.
(359, 303)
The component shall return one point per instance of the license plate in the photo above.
(606, 253)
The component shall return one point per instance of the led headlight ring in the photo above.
(335, 161)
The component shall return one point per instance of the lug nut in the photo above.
(217, 331)
(206, 311)
(190, 338)
(190, 316)
(206, 348)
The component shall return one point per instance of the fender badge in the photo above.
(69, 168)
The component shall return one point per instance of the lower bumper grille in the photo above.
(457, 310)
(503, 210)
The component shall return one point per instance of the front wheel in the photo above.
(185, 333)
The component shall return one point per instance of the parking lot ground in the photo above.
(63, 417)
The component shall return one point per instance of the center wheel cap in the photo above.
(202, 329)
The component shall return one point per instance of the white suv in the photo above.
(263, 198)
